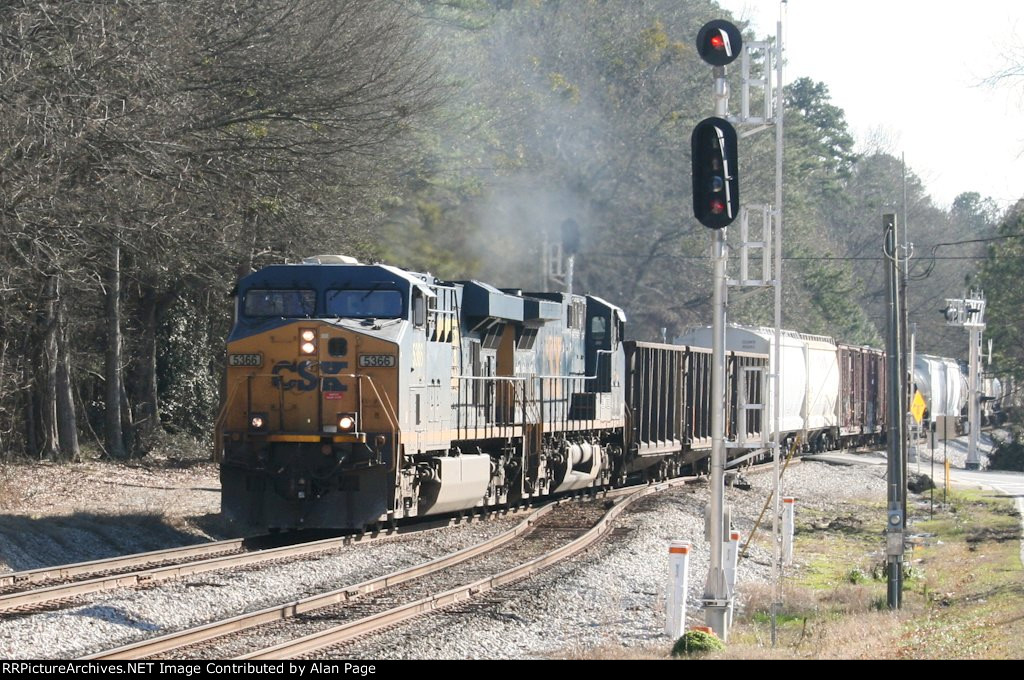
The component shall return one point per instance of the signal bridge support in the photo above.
(758, 258)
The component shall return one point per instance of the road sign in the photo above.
(917, 407)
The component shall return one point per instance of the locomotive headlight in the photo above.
(307, 344)
(257, 422)
(346, 422)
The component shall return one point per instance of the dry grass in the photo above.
(612, 650)
(964, 597)
(866, 636)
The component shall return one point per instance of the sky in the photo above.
(909, 75)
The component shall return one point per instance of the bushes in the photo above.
(696, 642)
(1008, 454)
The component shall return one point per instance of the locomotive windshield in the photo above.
(284, 303)
(365, 304)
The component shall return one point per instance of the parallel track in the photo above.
(416, 586)
(339, 635)
(74, 580)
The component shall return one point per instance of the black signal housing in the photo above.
(716, 185)
(719, 42)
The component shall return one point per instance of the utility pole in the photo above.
(896, 484)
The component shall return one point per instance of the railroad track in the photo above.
(49, 587)
(28, 591)
(547, 535)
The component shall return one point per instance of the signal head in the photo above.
(719, 42)
(716, 186)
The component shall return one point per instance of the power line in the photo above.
(807, 257)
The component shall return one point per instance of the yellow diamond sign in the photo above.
(917, 407)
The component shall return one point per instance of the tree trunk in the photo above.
(48, 387)
(3, 372)
(112, 368)
(67, 421)
(148, 418)
(31, 438)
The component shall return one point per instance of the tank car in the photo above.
(942, 385)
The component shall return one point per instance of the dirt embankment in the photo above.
(61, 513)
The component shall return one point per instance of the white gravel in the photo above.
(614, 592)
(125, 616)
(954, 449)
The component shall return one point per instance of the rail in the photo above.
(146, 576)
(318, 641)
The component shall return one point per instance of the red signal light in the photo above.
(719, 42)
(717, 207)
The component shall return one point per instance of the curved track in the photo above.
(48, 587)
(548, 534)
(574, 538)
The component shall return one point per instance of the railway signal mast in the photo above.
(716, 205)
(969, 313)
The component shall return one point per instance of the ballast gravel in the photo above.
(124, 616)
(611, 593)
(614, 593)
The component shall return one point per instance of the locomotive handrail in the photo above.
(218, 444)
(460, 406)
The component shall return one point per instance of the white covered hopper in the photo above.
(810, 372)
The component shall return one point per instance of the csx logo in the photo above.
(306, 379)
(302, 369)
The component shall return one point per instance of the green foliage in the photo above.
(857, 575)
(830, 139)
(189, 376)
(696, 643)
(1005, 298)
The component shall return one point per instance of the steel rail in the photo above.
(67, 571)
(342, 595)
(39, 596)
(369, 624)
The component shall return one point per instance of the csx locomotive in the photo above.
(359, 394)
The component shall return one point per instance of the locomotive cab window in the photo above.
(365, 304)
(285, 303)
(599, 331)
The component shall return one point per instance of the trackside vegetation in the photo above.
(963, 587)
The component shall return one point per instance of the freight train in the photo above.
(361, 394)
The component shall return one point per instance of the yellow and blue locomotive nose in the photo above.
(308, 412)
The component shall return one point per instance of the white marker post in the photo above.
(788, 504)
(678, 577)
(731, 559)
